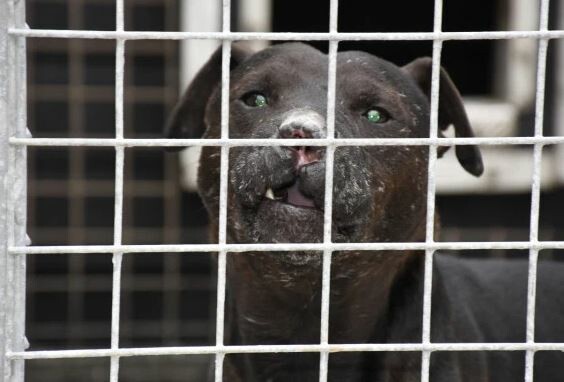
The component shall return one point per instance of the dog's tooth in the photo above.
(269, 194)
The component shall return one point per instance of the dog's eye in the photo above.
(376, 115)
(255, 99)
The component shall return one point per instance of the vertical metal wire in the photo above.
(535, 192)
(223, 193)
(118, 196)
(328, 208)
(558, 122)
(431, 188)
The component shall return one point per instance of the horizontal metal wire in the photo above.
(331, 348)
(285, 247)
(130, 142)
(288, 36)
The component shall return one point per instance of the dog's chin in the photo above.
(282, 222)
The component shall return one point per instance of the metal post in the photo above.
(12, 189)
(559, 92)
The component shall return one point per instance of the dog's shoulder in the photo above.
(485, 300)
(493, 294)
(489, 278)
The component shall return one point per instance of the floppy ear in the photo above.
(451, 111)
(187, 118)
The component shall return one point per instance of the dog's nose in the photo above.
(302, 124)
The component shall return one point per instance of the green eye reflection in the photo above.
(376, 116)
(259, 100)
(255, 99)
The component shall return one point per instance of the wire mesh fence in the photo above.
(16, 141)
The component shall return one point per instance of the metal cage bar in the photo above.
(535, 193)
(261, 349)
(288, 36)
(223, 190)
(431, 188)
(117, 257)
(189, 248)
(140, 142)
(13, 190)
(328, 208)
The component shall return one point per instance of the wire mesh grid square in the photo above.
(15, 141)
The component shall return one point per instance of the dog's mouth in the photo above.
(281, 193)
(291, 193)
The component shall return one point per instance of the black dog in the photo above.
(276, 195)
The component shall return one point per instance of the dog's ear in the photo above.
(451, 111)
(187, 118)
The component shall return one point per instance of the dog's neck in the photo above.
(363, 294)
(256, 279)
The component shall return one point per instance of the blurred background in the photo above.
(169, 299)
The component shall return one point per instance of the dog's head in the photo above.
(276, 194)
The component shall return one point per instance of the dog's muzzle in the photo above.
(300, 124)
